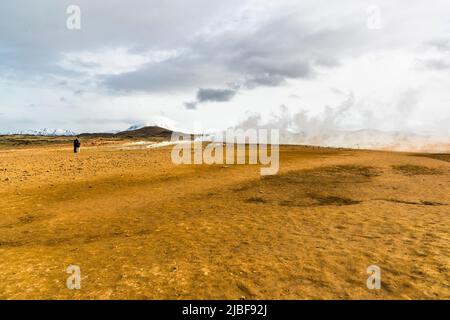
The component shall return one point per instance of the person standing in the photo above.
(76, 145)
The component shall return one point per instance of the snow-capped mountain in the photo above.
(43, 132)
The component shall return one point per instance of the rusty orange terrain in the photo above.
(140, 227)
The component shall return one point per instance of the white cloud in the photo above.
(112, 61)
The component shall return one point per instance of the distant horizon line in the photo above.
(135, 127)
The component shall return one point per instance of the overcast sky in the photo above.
(369, 64)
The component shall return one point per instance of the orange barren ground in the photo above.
(140, 227)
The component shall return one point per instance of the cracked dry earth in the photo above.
(140, 227)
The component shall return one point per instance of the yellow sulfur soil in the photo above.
(140, 227)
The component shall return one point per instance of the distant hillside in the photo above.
(144, 132)
(151, 131)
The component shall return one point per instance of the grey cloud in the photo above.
(191, 105)
(211, 95)
(215, 95)
(274, 50)
(437, 64)
(34, 33)
(177, 73)
(279, 49)
(442, 45)
(284, 48)
(268, 80)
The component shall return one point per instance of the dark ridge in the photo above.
(152, 131)
(145, 132)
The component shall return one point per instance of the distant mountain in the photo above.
(43, 132)
(150, 131)
(131, 132)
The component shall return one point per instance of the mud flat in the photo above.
(140, 227)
